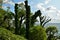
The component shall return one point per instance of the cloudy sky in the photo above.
(49, 8)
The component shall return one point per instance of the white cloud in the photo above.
(51, 8)
(40, 6)
(58, 11)
(55, 21)
(53, 13)
(5, 1)
(58, 14)
(47, 1)
(8, 2)
(12, 3)
(21, 2)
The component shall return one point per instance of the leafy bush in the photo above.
(37, 33)
(51, 32)
(7, 35)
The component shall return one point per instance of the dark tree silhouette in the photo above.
(33, 17)
(43, 19)
(16, 19)
(27, 18)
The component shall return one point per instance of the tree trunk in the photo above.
(20, 26)
(27, 19)
(16, 19)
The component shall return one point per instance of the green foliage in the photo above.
(2, 13)
(37, 33)
(22, 31)
(5, 18)
(7, 35)
(51, 30)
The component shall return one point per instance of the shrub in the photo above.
(7, 35)
(37, 33)
(51, 32)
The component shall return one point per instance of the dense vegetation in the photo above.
(21, 24)
(7, 35)
(37, 33)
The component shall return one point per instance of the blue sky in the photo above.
(49, 8)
